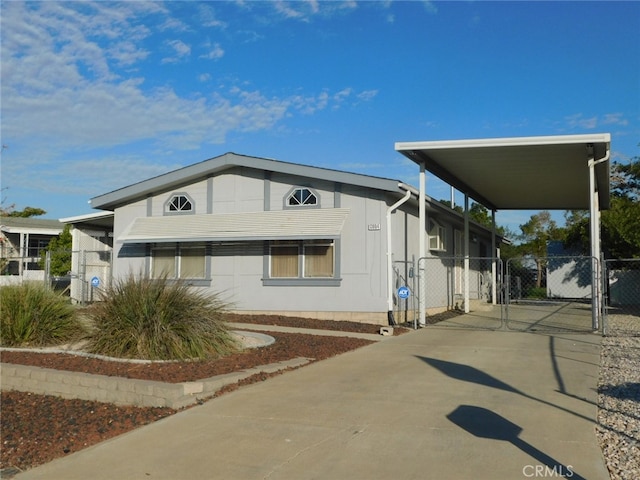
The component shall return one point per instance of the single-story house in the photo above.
(22, 241)
(274, 237)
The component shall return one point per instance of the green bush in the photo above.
(536, 292)
(33, 315)
(157, 319)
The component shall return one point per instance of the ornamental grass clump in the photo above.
(32, 315)
(158, 319)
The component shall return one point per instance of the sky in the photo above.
(96, 96)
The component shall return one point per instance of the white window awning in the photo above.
(253, 226)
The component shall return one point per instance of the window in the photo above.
(180, 261)
(307, 259)
(179, 203)
(437, 236)
(284, 260)
(301, 197)
(163, 262)
(318, 260)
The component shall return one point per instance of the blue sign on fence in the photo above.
(95, 282)
(403, 292)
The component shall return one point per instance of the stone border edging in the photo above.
(260, 340)
(125, 391)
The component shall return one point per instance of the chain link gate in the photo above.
(447, 281)
(621, 284)
(405, 309)
(559, 293)
(90, 272)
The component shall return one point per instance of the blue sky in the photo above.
(97, 96)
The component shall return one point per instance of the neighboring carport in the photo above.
(568, 172)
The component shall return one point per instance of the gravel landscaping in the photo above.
(618, 427)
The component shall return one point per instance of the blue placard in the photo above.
(403, 292)
(95, 282)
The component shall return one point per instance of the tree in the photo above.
(27, 212)
(536, 234)
(456, 208)
(59, 249)
(620, 225)
(479, 214)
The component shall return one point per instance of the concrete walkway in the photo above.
(436, 403)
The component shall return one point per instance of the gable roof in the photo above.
(122, 196)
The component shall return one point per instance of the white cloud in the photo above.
(215, 52)
(180, 49)
(208, 17)
(306, 10)
(579, 121)
(614, 119)
(342, 94)
(285, 9)
(63, 86)
(430, 6)
(367, 95)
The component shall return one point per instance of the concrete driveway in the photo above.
(437, 403)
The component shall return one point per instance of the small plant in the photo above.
(33, 315)
(537, 292)
(157, 319)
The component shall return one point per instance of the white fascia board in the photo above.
(84, 218)
(505, 142)
(31, 230)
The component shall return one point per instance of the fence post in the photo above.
(596, 294)
(47, 269)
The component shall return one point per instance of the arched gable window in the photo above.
(179, 203)
(301, 197)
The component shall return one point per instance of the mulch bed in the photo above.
(36, 429)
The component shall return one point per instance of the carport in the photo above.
(567, 172)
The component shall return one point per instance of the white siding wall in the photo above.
(238, 270)
(238, 190)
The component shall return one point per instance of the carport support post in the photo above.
(422, 245)
(494, 259)
(594, 223)
(466, 253)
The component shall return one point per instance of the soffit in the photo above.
(526, 173)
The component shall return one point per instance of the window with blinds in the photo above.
(302, 259)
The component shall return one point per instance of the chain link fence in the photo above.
(448, 281)
(90, 272)
(405, 310)
(551, 293)
(621, 279)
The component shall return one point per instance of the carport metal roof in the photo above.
(521, 173)
(525, 173)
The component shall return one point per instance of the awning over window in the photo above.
(274, 225)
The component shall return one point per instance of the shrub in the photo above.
(536, 292)
(157, 319)
(33, 315)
